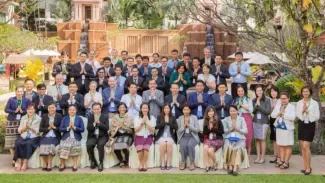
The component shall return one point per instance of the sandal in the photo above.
(24, 167)
(168, 167)
(215, 167)
(61, 168)
(207, 169)
(162, 167)
(285, 165)
(278, 164)
(230, 171)
(274, 161)
(122, 165)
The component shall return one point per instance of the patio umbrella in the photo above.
(246, 55)
(260, 59)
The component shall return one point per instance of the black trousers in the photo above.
(234, 89)
(119, 156)
(100, 142)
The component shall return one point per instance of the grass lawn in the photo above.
(157, 178)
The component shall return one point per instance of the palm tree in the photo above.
(123, 9)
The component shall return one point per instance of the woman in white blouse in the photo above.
(285, 114)
(308, 113)
(29, 138)
(144, 129)
(208, 78)
(91, 97)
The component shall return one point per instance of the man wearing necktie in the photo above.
(91, 61)
(198, 101)
(42, 100)
(207, 57)
(108, 66)
(219, 71)
(111, 97)
(136, 79)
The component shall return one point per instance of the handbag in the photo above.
(281, 125)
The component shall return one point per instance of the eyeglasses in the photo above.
(100, 72)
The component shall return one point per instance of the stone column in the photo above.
(93, 12)
(75, 12)
(97, 12)
(80, 11)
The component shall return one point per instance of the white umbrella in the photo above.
(260, 59)
(246, 55)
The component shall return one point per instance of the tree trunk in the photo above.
(317, 147)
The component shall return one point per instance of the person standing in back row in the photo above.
(239, 71)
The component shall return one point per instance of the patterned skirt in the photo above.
(216, 144)
(48, 146)
(69, 147)
(260, 130)
(122, 142)
(234, 152)
(11, 133)
(142, 143)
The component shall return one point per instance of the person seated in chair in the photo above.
(98, 126)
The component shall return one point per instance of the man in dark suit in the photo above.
(145, 69)
(98, 126)
(159, 80)
(73, 98)
(198, 101)
(42, 100)
(219, 71)
(127, 70)
(175, 100)
(136, 79)
(101, 80)
(187, 61)
(164, 70)
(63, 67)
(82, 73)
(221, 101)
(207, 57)
(108, 67)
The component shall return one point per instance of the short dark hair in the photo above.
(152, 80)
(64, 53)
(217, 55)
(73, 83)
(134, 67)
(206, 65)
(118, 67)
(31, 105)
(223, 83)
(174, 50)
(51, 103)
(196, 58)
(155, 54)
(124, 51)
(140, 112)
(186, 54)
(106, 59)
(83, 52)
(132, 84)
(145, 58)
(234, 106)
(164, 57)
(181, 64)
(40, 86)
(100, 69)
(120, 104)
(26, 80)
(186, 105)
(73, 105)
(138, 55)
(239, 53)
(199, 81)
(154, 68)
(96, 103)
(308, 88)
(130, 58)
(285, 94)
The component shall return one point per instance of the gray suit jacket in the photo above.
(155, 102)
(194, 128)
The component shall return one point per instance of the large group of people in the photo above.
(130, 101)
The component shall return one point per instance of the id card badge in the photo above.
(64, 77)
(193, 81)
(259, 116)
(96, 131)
(83, 79)
(145, 135)
(173, 111)
(40, 113)
(58, 108)
(241, 114)
(222, 113)
(211, 136)
(306, 120)
(187, 130)
(238, 76)
(199, 111)
(28, 135)
(112, 104)
(18, 116)
(181, 88)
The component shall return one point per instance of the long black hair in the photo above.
(162, 114)
(140, 112)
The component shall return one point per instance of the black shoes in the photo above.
(100, 167)
(93, 164)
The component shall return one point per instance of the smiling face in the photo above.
(306, 93)
(166, 110)
(218, 60)
(186, 111)
(19, 93)
(154, 72)
(118, 71)
(132, 89)
(135, 72)
(96, 109)
(196, 63)
(240, 92)
(164, 62)
(239, 57)
(274, 94)
(122, 109)
(107, 63)
(145, 62)
(233, 112)
(175, 55)
(101, 73)
(83, 58)
(72, 111)
(152, 85)
(211, 113)
(284, 99)
(205, 70)
(155, 58)
(30, 110)
(51, 108)
(73, 88)
(259, 92)
(29, 85)
(130, 62)
(145, 109)
(41, 91)
(92, 87)
(59, 79)
(124, 55)
(92, 55)
(111, 82)
(207, 53)
(199, 87)
(114, 53)
(181, 70)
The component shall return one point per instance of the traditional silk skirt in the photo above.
(122, 142)
(11, 134)
(142, 143)
(234, 152)
(25, 148)
(249, 124)
(48, 146)
(69, 147)
(216, 144)
(260, 130)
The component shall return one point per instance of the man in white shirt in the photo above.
(92, 61)
(155, 61)
(154, 97)
(132, 100)
(57, 91)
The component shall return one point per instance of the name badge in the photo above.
(18, 116)
(211, 136)
(64, 77)
(40, 113)
(145, 135)
(238, 76)
(181, 88)
(259, 116)
(306, 120)
(193, 81)
(58, 108)
(222, 113)
(112, 104)
(28, 135)
(173, 111)
(96, 131)
(83, 79)
(240, 114)
(187, 130)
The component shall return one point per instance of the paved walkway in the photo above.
(318, 165)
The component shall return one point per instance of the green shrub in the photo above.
(281, 84)
(2, 131)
